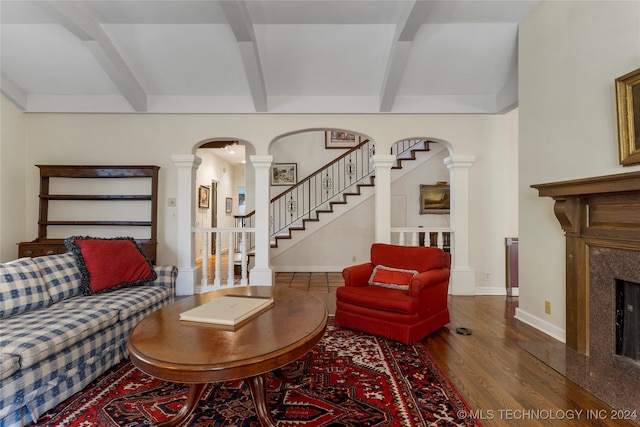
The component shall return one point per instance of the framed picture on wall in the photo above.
(227, 204)
(628, 100)
(434, 199)
(284, 174)
(339, 139)
(203, 196)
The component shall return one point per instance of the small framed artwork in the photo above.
(203, 196)
(628, 103)
(227, 204)
(284, 174)
(340, 139)
(435, 199)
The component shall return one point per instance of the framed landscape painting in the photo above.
(339, 139)
(435, 199)
(284, 174)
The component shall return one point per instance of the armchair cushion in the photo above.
(390, 277)
(380, 298)
(418, 258)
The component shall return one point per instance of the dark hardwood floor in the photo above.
(504, 383)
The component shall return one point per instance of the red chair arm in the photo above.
(357, 275)
(427, 279)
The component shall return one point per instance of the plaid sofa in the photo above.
(54, 340)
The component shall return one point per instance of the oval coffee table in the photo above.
(195, 353)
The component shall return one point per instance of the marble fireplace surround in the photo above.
(601, 220)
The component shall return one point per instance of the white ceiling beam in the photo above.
(79, 21)
(242, 27)
(13, 92)
(399, 53)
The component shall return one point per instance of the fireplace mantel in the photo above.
(597, 211)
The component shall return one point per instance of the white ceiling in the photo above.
(247, 56)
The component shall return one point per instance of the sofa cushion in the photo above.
(21, 288)
(109, 264)
(61, 275)
(36, 335)
(126, 302)
(389, 277)
(9, 364)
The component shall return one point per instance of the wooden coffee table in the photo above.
(194, 353)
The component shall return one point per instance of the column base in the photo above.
(186, 281)
(261, 276)
(462, 282)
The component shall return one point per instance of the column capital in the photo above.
(383, 160)
(186, 160)
(261, 161)
(459, 161)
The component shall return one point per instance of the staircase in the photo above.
(331, 186)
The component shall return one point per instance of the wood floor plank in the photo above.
(503, 383)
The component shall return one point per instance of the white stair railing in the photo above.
(410, 236)
(235, 236)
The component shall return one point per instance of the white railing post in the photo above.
(401, 239)
(414, 238)
(216, 278)
(243, 258)
(232, 253)
(205, 259)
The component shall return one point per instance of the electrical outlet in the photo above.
(487, 277)
(353, 259)
(547, 307)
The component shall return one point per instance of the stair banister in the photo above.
(314, 174)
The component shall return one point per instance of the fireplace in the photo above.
(601, 220)
(610, 272)
(628, 319)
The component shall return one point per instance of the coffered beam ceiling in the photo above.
(242, 27)
(79, 20)
(264, 56)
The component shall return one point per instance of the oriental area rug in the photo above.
(350, 379)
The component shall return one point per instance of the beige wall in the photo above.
(153, 139)
(570, 54)
(12, 179)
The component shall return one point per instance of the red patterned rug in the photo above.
(350, 379)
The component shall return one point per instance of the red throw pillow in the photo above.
(110, 264)
(390, 277)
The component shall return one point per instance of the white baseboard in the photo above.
(541, 325)
(308, 269)
(496, 290)
(491, 290)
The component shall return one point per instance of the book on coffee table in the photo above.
(229, 310)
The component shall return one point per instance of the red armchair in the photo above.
(400, 294)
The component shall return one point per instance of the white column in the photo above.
(462, 277)
(261, 273)
(382, 165)
(187, 271)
